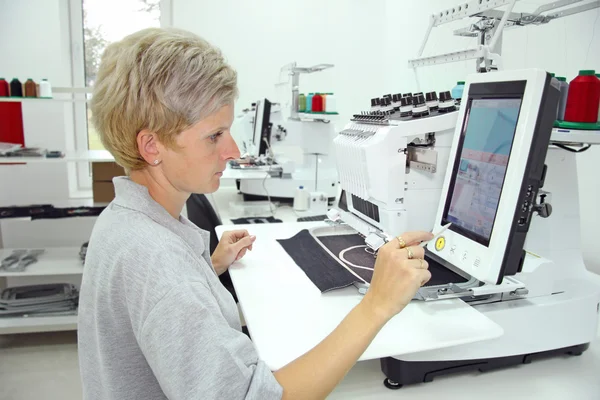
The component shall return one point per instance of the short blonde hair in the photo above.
(162, 80)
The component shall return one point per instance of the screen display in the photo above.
(487, 140)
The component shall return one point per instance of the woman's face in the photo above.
(204, 150)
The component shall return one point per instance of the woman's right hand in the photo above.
(396, 278)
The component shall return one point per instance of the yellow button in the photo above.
(440, 243)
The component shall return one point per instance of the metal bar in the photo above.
(426, 38)
(500, 27)
(72, 89)
(575, 10)
(497, 14)
(462, 55)
(470, 9)
(554, 5)
(295, 93)
(466, 32)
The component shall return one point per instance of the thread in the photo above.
(4, 90)
(30, 88)
(564, 92)
(317, 103)
(301, 102)
(331, 103)
(45, 89)
(583, 99)
(309, 102)
(16, 88)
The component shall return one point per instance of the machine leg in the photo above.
(390, 384)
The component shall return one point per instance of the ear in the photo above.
(149, 146)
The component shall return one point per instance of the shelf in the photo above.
(40, 100)
(54, 261)
(318, 116)
(70, 156)
(49, 323)
(572, 136)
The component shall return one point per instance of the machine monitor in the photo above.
(262, 127)
(486, 141)
(496, 169)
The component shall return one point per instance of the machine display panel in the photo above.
(480, 171)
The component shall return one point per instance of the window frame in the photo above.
(79, 174)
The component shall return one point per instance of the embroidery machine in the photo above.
(495, 170)
(504, 178)
(285, 132)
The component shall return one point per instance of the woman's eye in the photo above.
(213, 138)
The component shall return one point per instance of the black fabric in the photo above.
(203, 215)
(255, 220)
(316, 263)
(326, 272)
(357, 256)
(48, 211)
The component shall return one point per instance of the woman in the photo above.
(154, 320)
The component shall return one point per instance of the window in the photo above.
(107, 21)
(94, 25)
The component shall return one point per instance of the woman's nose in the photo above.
(231, 150)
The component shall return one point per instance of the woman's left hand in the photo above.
(232, 246)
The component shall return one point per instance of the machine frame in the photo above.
(524, 176)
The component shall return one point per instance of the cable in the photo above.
(592, 38)
(267, 175)
(572, 150)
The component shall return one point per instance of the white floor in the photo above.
(45, 366)
(39, 366)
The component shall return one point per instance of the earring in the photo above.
(156, 162)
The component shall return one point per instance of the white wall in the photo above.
(258, 37)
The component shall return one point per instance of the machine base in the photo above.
(290, 200)
(401, 373)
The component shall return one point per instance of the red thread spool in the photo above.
(3, 88)
(317, 103)
(584, 98)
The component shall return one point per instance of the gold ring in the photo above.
(401, 242)
(409, 253)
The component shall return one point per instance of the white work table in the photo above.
(287, 316)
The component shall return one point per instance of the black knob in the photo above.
(418, 99)
(431, 96)
(395, 98)
(375, 102)
(445, 96)
(405, 101)
(387, 95)
(407, 95)
(544, 210)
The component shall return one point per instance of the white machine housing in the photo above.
(393, 172)
(313, 167)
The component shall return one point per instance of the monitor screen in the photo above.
(263, 125)
(486, 141)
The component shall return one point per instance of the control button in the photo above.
(464, 256)
(477, 262)
(440, 243)
(452, 250)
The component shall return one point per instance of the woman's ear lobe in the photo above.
(148, 145)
